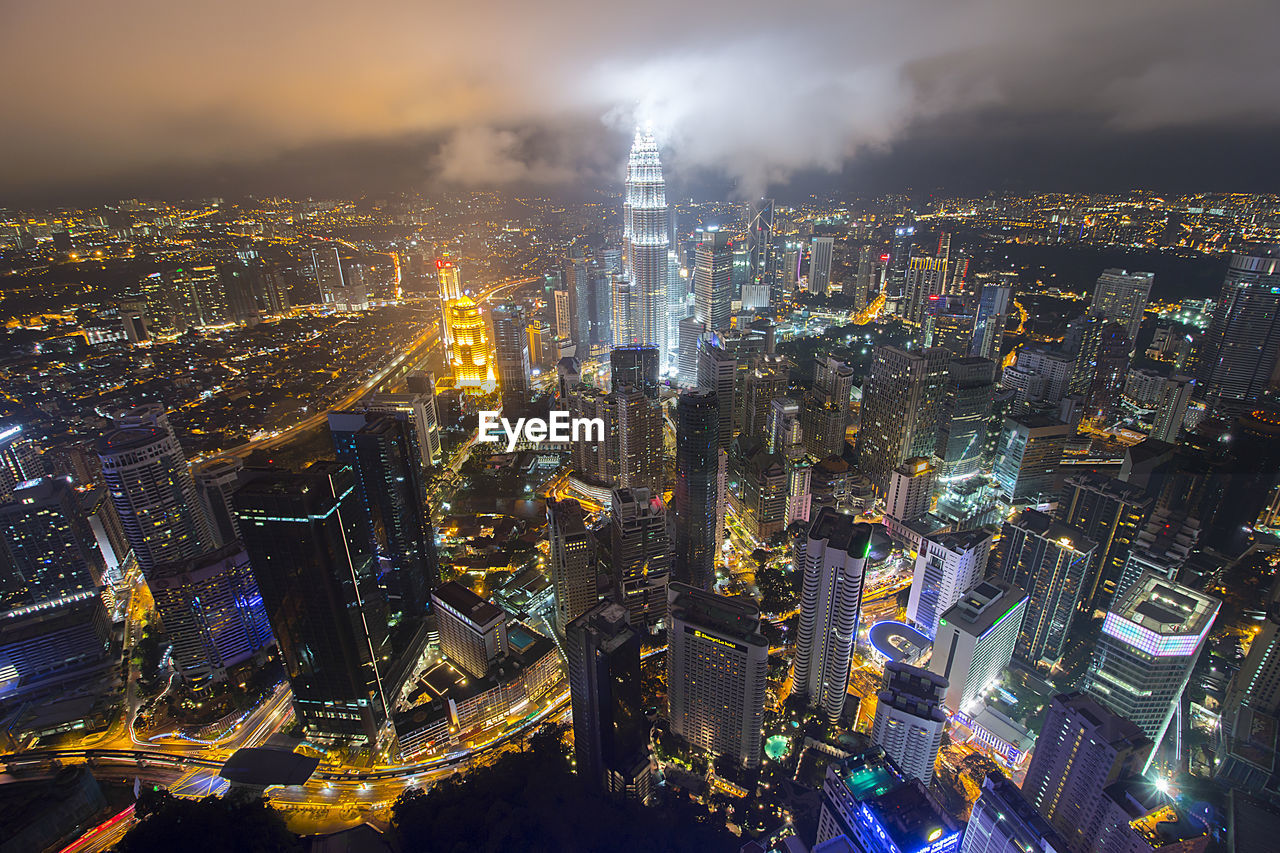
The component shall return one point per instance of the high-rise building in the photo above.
(910, 719)
(646, 240)
(1082, 750)
(822, 425)
(580, 291)
(718, 372)
(1112, 513)
(19, 459)
(212, 612)
(1171, 408)
(469, 348)
(901, 410)
(948, 565)
(833, 380)
(975, 641)
(610, 732)
(640, 555)
(899, 259)
(766, 381)
(640, 459)
(962, 432)
(910, 494)
(1252, 707)
(926, 278)
(698, 489)
(1049, 560)
(382, 450)
(1003, 821)
(691, 330)
(712, 279)
(820, 251)
(473, 631)
(833, 560)
(573, 561)
(717, 663)
(1029, 454)
(511, 360)
(994, 301)
(563, 302)
(1150, 641)
(763, 262)
(314, 567)
(47, 549)
(1242, 346)
(146, 475)
(1120, 297)
(341, 287)
(1110, 370)
(637, 366)
(869, 804)
(216, 479)
(419, 406)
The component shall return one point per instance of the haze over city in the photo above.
(757, 427)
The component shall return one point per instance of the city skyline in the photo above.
(906, 519)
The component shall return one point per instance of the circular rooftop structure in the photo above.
(898, 642)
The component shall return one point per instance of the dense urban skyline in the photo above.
(529, 491)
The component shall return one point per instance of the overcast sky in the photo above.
(164, 97)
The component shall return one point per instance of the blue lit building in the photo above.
(869, 800)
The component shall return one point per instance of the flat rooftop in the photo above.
(1167, 608)
(465, 602)
(982, 607)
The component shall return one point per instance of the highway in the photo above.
(368, 386)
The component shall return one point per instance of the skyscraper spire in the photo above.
(644, 219)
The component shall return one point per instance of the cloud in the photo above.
(755, 91)
(479, 156)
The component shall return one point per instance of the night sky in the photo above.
(141, 97)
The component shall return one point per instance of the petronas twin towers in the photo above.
(645, 243)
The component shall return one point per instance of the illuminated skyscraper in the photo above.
(644, 217)
(948, 566)
(1083, 748)
(470, 349)
(909, 718)
(833, 560)
(717, 664)
(762, 271)
(975, 641)
(19, 460)
(713, 279)
(511, 353)
(640, 555)
(1242, 346)
(47, 549)
(1149, 644)
(902, 407)
(993, 312)
(1050, 561)
(1120, 297)
(820, 249)
(146, 474)
(573, 561)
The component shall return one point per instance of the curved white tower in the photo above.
(644, 223)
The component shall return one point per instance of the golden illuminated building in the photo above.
(470, 348)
